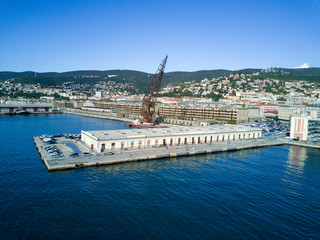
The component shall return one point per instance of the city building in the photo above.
(98, 94)
(285, 112)
(253, 113)
(305, 128)
(267, 108)
(313, 107)
(191, 112)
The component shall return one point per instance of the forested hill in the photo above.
(307, 74)
(141, 79)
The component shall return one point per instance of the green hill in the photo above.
(141, 79)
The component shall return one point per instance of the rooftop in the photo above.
(25, 105)
(162, 132)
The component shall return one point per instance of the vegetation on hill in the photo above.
(141, 79)
(307, 74)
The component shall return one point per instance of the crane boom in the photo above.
(149, 99)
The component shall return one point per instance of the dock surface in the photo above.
(96, 159)
(96, 115)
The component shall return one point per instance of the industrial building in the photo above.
(31, 108)
(224, 114)
(169, 111)
(113, 140)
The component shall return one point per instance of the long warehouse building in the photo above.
(31, 108)
(113, 140)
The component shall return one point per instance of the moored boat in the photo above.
(21, 111)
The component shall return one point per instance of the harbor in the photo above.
(264, 180)
(87, 158)
(103, 147)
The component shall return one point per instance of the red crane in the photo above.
(149, 99)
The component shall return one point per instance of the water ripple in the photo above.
(266, 193)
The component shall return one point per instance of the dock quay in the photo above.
(87, 158)
(96, 115)
(302, 144)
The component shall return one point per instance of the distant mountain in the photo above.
(142, 79)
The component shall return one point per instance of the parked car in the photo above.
(74, 154)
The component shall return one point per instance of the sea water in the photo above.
(265, 193)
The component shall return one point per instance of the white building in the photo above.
(98, 94)
(31, 108)
(113, 140)
(285, 112)
(299, 128)
(253, 113)
(305, 128)
(314, 107)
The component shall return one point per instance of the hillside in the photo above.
(307, 74)
(141, 79)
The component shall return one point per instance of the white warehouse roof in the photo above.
(172, 131)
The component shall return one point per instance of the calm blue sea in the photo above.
(266, 193)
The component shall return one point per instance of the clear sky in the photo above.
(71, 35)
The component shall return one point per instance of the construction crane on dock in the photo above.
(150, 98)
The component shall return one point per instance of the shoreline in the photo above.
(153, 153)
(96, 115)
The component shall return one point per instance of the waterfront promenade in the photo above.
(96, 159)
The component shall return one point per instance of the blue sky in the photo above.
(197, 35)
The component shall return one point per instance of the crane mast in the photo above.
(149, 99)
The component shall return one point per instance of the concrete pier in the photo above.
(96, 115)
(96, 159)
(304, 144)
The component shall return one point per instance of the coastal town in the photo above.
(238, 98)
(244, 89)
(234, 111)
(160, 120)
